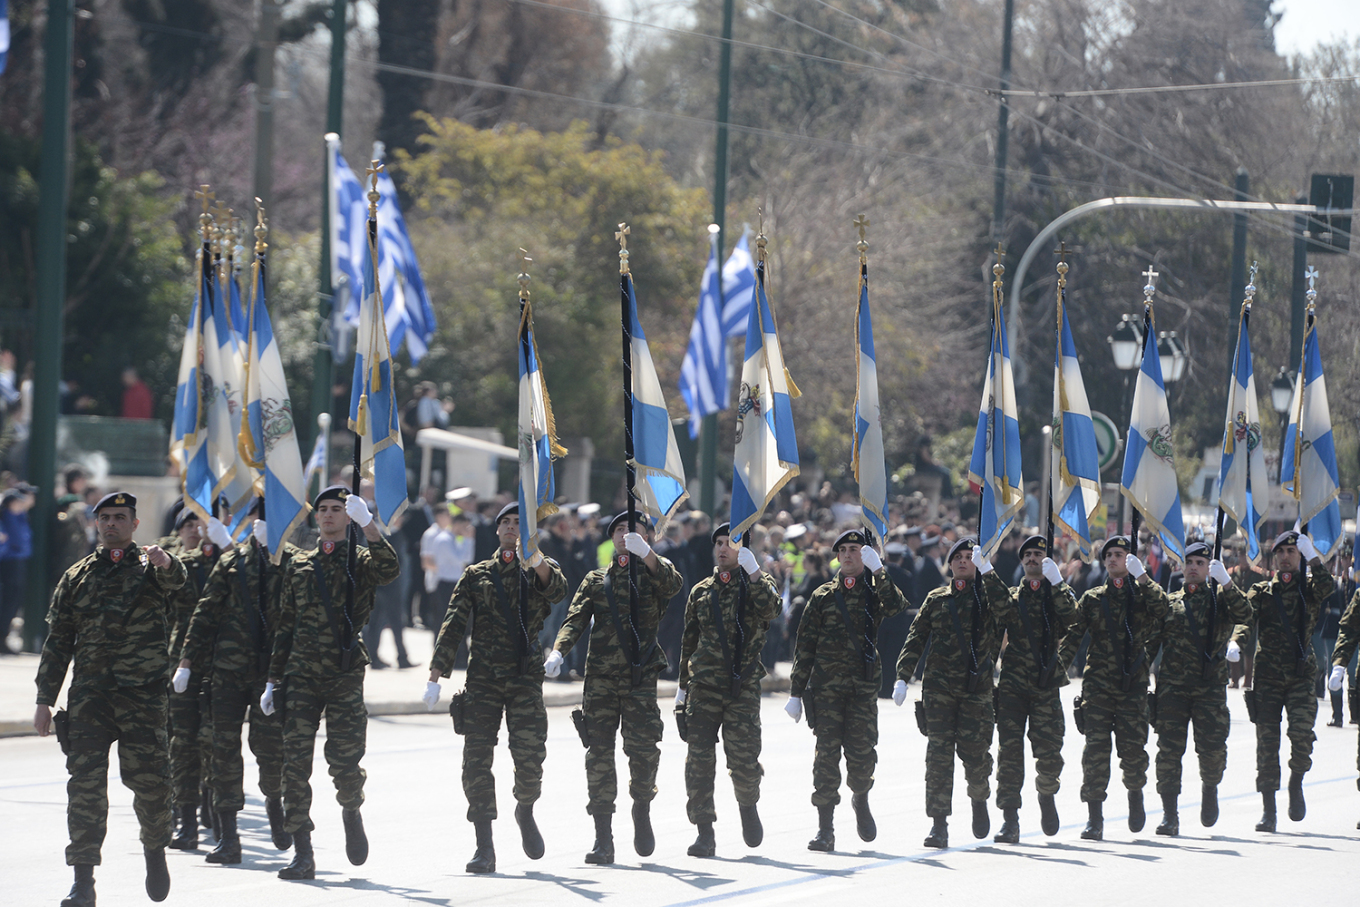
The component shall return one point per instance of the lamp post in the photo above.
(1281, 395)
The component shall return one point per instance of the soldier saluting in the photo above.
(110, 616)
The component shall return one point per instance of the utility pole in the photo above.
(266, 43)
(1002, 120)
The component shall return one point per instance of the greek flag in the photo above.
(661, 476)
(1149, 478)
(1076, 460)
(537, 439)
(867, 456)
(994, 470)
(409, 315)
(739, 287)
(1244, 487)
(348, 228)
(4, 33)
(703, 373)
(766, 454)
(1308, 467)
(235, 477)
(316, 463)
(189, 436)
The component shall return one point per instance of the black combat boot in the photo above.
(1137, 815)
(982, 823)
(1267, 822)
(304, 861)
(825, 841)
(273, 807)
(1010, 827)
(1297, 808)
(356, 840)
(1208, 805)
(82, 892)
(1095, 822)
(528, 831)
(228, 849)
(484, 860)
(187, 836)
(939, 834)
(1048, 814)
(1171, 820)
(644, 839)
(157, 875)
(705, 845)
(864, 820)
(603, 851)
(752, 832)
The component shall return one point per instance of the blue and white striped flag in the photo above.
(4, 33)
(348, 228)
(660, 488)
(766, 454)
(703, 373)
(867, 456)
(537, 440)
(994, 469)
(405, 297)
(739, 288)
(189, 435)
(235, 477)
(1076, 459)
(316, 463)
(1149, 477)
(1244, 486)
(1309, 460)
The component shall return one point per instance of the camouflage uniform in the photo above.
(307, 658)
(1348, 637)
(1024, 697)
(1286, 669)
(611, 700)
(112, 618)
(1122, 615)
(957, 720)
(707, 677)
(495, 682)
(830, 657)
(190, 722)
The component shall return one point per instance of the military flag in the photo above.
(1244, 487)
(867, 456)
(1149, 476)
(703, 373)
(738, 288)
(1308, 468)
(537, 432)
(348, 229)
(1075, 468)
(994, 469)
(655, 456)
(189, 436)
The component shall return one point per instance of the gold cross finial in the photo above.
(374, 168)
(761, 240)
(524, 261)
(861, 223)
(1062, 252)
(205, 194)
(1251, 287)
(622, 237)
(1311, 294)
(998, 269)
(261, 227)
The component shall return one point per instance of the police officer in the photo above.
(623, 662)
(836, 653)
(726, 619)
(506, 604)
(110, 614)
(318, 658)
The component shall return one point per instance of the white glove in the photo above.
(261, 533)
(267, 700)
(795, 708)
(217, 533)
(1051, 572)
(1234, 652)
(181, 681)
(980, 561)
(553, 666)
(533, 562)
(1219, 572)
(1134, 566)
(357, 508)
(1307, 548)
(431, 697)
(872, 562)
(900, 692)
(679, 696)
(634, 543)
(747, 558)
(1338, 677)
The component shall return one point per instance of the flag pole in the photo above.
(629, 453)
(1047, 658)
(861, 223)
(1149, 329)
(1309, 318)
(526, 353)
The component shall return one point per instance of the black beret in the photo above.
(967, 543)
(1115, 541)
(724, 530)
(1199, 549)
(639, 519)
(1034, 541)
(1288, 537)
(184, 516)
(117, 499)
(331, 493)
(858, 536)
(511, 509)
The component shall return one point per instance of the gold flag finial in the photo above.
(1250, 289)
(761, 239)
(1311, 294)
(261, 228)
(1062, 252)
(372, 172)
(862, 223)
(523, 278)
(622, 237)
(998, 269)
(1150, 288)
(205, 194)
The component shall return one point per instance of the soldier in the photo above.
(726, 618)
(109, 614)
(836, 653)
(1122, 615)
(1029, 689)
(1347, 640)
(959, 621)
(1192, 681)
(1285, 611)
(623, 662)
(232, 630)
(506, 606)
(318, 659)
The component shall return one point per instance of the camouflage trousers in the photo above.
(135, 717)
(1205, 705)
(708, 709)
(236, 694)
(612, 704)
(1295, 697)
(1020, 703)
(957, 722)
(1123, 716)
(526, 725)
(341, 698)
(190, 742)
(847, 722)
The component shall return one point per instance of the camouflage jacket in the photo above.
(1348, 634)
(826, 648)
(1105, 656)
(113, 619)
(199, 564)
(702, 659)
(229, 625)
(608, 656)
(496, 641)
(1182, 658)
(305, 642)
(1024, 631)
(949, 662)
(1275, 653)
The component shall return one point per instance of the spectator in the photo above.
(446, 550)
(16, 549)
(137, 402)
(387, 608)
